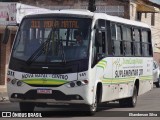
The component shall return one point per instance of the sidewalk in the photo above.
(3, 93)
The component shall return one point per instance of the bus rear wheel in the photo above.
(131, 101)
(158, 83)
(26, 107)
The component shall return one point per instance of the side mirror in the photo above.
(6, 34)
(99, 37)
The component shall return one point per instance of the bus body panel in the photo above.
(83, 91)
(118, 76)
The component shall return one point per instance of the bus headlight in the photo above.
(77, 83)
(14, 81)
(19, 83)
(72, 84)
(8, 80)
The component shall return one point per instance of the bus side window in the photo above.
(116, 35)
(102, 28)
(150, 43)
(99, 44)
(127, 41)
(137, 44)
(113, 36)
(101, 48)
(146, 43)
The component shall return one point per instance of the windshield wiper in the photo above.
(40, 50)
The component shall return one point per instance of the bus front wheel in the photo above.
(93, 107)
(25, 106)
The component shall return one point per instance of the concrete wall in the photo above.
(102, 5)
(4, 56)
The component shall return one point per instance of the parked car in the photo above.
(156, 74)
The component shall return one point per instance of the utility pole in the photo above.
(91, 5)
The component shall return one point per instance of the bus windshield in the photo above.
(52, 39)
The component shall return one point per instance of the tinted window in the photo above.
(137, 45)
(127, 41)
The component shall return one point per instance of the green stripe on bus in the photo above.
(44, 81)
(101, 66)
(124, 80)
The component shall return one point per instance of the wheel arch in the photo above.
(99, 92)
(137, 85)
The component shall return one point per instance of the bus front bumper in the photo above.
(49, 101)
(55, 97)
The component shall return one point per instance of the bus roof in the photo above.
(96, 16)
(120, 20)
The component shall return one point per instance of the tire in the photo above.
(158, 83)
(123, 102)
(26, 107)
(92, 108)
(131, 101)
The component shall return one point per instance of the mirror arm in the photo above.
(7, 33)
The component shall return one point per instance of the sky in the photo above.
(156, 1)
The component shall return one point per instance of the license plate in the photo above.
(43, 91)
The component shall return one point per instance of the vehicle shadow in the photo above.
(79, 111)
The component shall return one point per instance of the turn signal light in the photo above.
(14, 81)
(8, 79)
(19, 83)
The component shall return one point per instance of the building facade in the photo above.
(141, 10)
(148, 12)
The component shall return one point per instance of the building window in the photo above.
(145, 15)
(153, 19)
(132, 10)
(139, 16)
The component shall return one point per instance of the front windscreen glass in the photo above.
(52, 39)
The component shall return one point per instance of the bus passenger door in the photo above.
(104, 63)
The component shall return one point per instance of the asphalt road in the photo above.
(148, 104)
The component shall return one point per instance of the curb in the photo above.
(2, 99)
(3, 94)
